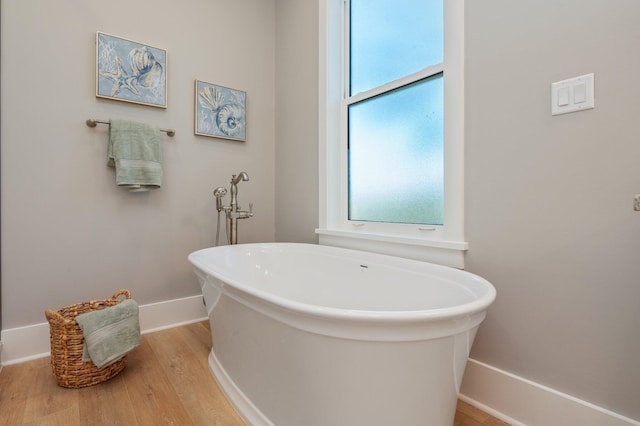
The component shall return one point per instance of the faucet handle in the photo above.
(250, 207)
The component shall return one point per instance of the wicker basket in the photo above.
(67, 343)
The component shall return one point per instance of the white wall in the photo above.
(549, 200)
(68, 233)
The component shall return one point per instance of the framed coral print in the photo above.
(130, 71)
(220, 112)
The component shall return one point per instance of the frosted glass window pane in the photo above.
(390, 39)
(396, 155)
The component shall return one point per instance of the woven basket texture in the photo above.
(67, 343)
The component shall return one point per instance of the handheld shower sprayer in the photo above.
(219, 193)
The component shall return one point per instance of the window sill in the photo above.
(449, 253)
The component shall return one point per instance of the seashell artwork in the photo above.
(130, 71)
(148, 71)
(220, 111)
(229, 119)
(210, 98)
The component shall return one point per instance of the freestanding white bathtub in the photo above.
(313, 335)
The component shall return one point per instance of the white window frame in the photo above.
(439, 244)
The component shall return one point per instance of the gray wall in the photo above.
(297, 120)
(68, 233)
(549, 200)
(548, 213)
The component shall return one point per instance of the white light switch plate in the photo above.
(574, 94)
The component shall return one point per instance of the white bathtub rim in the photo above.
(340, 314)
(357, 327)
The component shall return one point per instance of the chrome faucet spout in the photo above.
(242, 176)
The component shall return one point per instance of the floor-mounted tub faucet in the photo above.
(232, 211)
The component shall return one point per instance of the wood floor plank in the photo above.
(199, 339)
(45, 396)
(14, 392)
(463, 419)
(150, 390)
(468, 415)
(106, 403)
(67, 417)
(471, 411)
(200, 395)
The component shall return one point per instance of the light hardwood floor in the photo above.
(166, 382)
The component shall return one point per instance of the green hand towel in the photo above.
(110, 333)
(134, 150)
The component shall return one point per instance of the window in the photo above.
(391, 120)
(394, 111)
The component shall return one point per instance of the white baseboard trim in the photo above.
(23, 344)
(521, 402)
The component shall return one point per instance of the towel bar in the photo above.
(93, 123)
